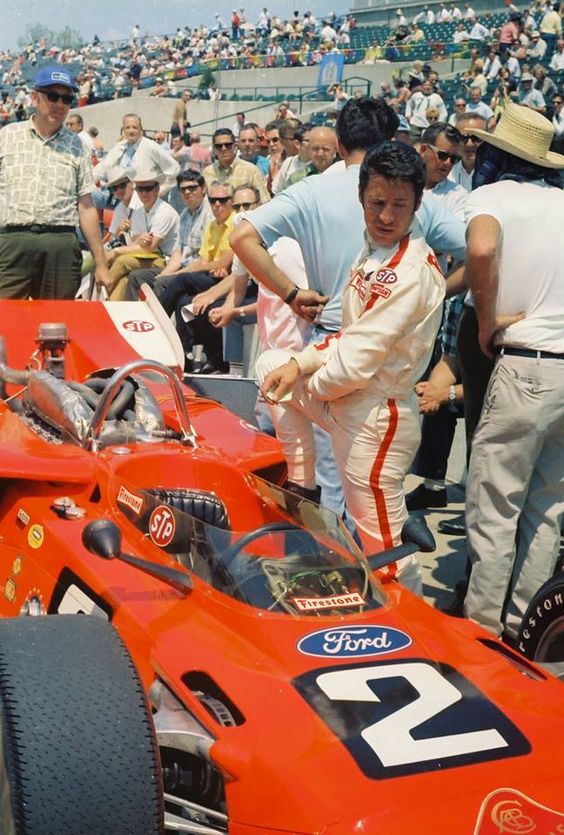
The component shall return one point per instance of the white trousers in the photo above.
(374, 442)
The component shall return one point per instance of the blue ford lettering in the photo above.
(353, 641)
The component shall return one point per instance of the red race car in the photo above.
(280, 682)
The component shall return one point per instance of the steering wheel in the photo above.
(271, 527)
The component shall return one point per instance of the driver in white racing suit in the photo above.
(358, 384)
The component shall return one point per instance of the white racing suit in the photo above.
(358, 386)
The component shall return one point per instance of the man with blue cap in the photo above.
(45, 193)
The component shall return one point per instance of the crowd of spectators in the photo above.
(105, 70)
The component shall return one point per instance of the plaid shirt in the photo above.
(453, 310)
(42, 179)
(240, 173)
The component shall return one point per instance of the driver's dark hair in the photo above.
(364, 122)
(394, 161)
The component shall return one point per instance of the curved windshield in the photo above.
(293, 557)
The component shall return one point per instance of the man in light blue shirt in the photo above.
(325, 216)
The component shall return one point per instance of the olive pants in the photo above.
(43, 265)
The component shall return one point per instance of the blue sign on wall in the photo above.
(330, 70)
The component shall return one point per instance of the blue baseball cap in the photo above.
(48, 76)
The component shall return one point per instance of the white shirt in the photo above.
(418, 105)
(161, 220)
(530, 259)
(278, 325)
(557, 61)
(146, 154)
(479, 32)
(123, 212)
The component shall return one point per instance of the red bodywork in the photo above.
(414, 730)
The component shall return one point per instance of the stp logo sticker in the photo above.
(509, 812)
(138, 326)
(386, 276)
(162, 526)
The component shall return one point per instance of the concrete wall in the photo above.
(156, 113)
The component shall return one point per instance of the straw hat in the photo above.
(147, 175)
(525, 134)
(117, 174)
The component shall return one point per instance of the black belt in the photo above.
(37, 228)
(528, 352)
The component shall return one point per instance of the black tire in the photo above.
(80, 751)
(541, 636)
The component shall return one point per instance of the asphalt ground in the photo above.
(446, 566)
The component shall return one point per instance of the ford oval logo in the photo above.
(353, 641)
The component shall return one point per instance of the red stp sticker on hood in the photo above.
(509, 812)
(138, 326)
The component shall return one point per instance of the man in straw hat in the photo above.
(514, 266)
(154, 228)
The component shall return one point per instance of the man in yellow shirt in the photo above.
(213, 264)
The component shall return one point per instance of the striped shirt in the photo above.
(191, 232)
(42, 179)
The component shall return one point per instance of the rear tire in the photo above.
(541, 636)
(80, 752)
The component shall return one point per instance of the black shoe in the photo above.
(311, 495)
(423, 497)
(213, 368)
(453, 527)
(456, 608)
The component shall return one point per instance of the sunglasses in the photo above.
(146, 188)
(469, 137)
(66, 98)
(444, 155)
(222, 146)
(119, 186)
(219, 199)
(244, 206)
(189, 189)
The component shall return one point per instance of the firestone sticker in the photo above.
(336, 601)
(353, 641)
(129, 499)
(509, 812)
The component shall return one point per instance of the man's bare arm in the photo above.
(90, 227)
(247, 244)
(455, 280)
(483, 238)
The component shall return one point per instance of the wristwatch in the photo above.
(241, 313)
(452, 394)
